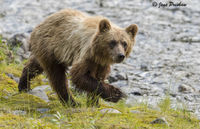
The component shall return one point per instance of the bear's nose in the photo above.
(121, 56)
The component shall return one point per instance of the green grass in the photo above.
(83, 117)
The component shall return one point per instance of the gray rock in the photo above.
(47, 115)
(40, 91)
(185, 88)
(135, 111)
(117, 77)
(20, 51)
(137, 93)
(144, 67)
(112, 79)
(196, 39)
(188, 98)
(16, 40)
(161, 120)
(173, 94)
(19, 112)
(6, 97)
(13, 77)
(121, 76)
(19, 40)
(43, 110)
(26, 55)
(120, 83)
(23, 54)
(110, 110)
(134, 100)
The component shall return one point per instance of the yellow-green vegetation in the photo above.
(22, 110)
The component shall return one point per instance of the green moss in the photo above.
(6, 55)
(10, 121)
(24, 101)
(60, 117)
(2, 50)
(38, 81)
(85, 117)
(14, 69)
(7, 86)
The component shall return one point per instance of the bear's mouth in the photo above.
(117, 60)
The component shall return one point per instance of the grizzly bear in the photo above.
(90, 44)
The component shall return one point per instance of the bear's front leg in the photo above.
(84, 81)
(31, 70)
(57, 78)
(111, 93)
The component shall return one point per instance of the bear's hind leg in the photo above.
(58, 81)
(31, 70)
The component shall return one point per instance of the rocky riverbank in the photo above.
(165, 59)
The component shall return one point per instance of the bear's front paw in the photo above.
(112, 93)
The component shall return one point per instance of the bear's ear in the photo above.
(104, 26)
(132, 30)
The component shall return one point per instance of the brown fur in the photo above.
(70, 37)
(31, 69)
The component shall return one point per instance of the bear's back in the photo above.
(63, 34)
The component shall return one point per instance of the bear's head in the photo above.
(111, 43)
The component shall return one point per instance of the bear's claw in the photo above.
(112, 93)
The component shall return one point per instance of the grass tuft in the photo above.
(21, 110)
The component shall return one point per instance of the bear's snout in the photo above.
(120, 57)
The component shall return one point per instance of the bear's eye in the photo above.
(124, 45)
(112, 44)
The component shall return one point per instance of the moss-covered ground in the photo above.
(59, 117)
